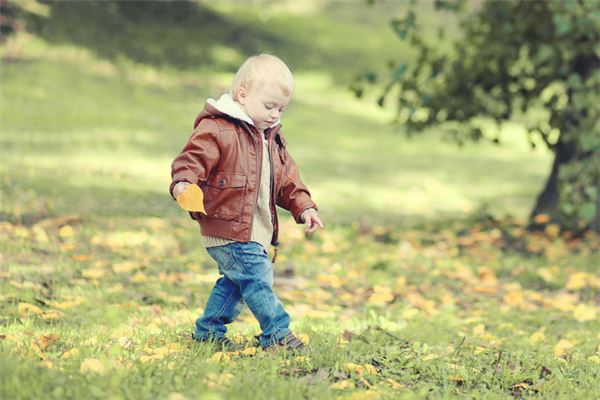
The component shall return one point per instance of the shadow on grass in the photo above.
(176, 33)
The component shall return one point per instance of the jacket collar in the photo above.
(225, 105)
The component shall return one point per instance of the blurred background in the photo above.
(99, 97)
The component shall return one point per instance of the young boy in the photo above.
(238, 157)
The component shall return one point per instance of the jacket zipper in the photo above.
(274, 219)
(256, 147)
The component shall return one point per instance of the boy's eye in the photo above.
(268, 106)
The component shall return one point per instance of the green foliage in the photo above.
(533, 62)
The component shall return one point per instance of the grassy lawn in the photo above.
(423, 285)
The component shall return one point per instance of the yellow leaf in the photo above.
(577, 281)
(564, 301)
(594, 359)
(537, 337)
(91, 365)
(351, 367)
(370, 369)
(562, 347)
(400, 283)
(249, 351)
(552, 230)
(381, 295)
(514, 298)
(26, 308)
(66, 231)
(219, 356)
(93, 273)
(39, 234)
(395, 385)
(145, 359)
(584, 312)
(479, 330)
(547, 274)
(51, 315)
(139, 277)
(410, 313)
(303, 337)
(66, 247)
(124, 267)
(479, 350)
(66, 304)
(192, 199)
(343, 384)
(71, 353)
(456, 378)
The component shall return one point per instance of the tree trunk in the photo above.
(548, 200)
(595, 224)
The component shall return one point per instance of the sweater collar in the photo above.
(232, 108)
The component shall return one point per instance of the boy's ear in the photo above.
(241, 94)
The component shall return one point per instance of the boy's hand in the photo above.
(312, 221)
(179, 188)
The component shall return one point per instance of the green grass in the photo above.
(409, 275)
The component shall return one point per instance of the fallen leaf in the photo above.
(93, 273)
(343, 384)
(536, 337)
(26, 309)
(562, 348)
(70, 353)
(395, 385)
(66, 231)
(91, 365)
(584, 312)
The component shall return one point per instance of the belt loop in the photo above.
(274, 255)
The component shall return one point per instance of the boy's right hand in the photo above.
(179, 188)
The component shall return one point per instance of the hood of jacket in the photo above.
(225, 105)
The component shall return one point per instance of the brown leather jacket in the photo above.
(223, 156)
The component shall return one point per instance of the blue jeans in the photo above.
(247, 278)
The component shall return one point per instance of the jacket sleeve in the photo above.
(293, 194)
(198, 157)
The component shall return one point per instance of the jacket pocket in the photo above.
(224, 195)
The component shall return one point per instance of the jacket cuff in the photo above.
(297, 213)
(176, 181)
(305, 211)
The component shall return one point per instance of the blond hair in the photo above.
(261, 69)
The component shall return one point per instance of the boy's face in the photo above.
(264, 104)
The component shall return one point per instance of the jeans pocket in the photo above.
(253, 252)
(223, 255)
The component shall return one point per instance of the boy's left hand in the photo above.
(312, 221)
